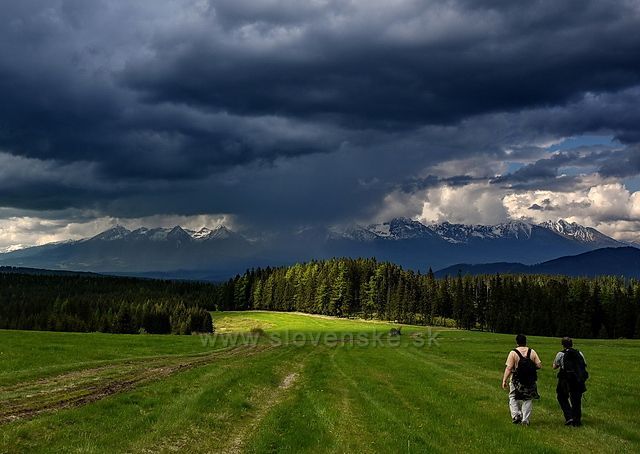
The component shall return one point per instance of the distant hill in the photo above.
(43, 272)
(622, 261)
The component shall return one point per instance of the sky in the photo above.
(275, 115)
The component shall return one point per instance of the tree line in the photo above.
(604, 307)
(106, 304)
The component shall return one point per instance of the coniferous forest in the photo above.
(605, 307)
(108, 304)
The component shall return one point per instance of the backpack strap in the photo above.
(529, 354)
(518, 353)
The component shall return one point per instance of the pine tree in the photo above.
(123, 323)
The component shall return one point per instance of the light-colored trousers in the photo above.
(520, 408)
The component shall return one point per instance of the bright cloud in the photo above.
(610, 208)
(473, 204)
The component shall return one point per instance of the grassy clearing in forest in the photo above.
(304, 383)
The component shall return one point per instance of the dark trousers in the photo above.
(570, 400)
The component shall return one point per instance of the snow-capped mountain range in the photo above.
(405, 228)
(576, 231)
(222, 252)
(163, 234)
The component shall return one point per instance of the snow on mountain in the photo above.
(513, 229)
(176, 233)
(221, 233)
(401, 229)
(396, 229)
(115, 233)
(573, 230)
(380, 230)
(463, 233)
(142, 231)
(579, 232)
(404, 228)
(460, 233)
(404, 241)
(11, 248)
(155, 234)
(202, 234)
(356, 233)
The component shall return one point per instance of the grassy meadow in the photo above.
(287, 382)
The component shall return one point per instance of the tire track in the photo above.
(78, 388)
(272, 399)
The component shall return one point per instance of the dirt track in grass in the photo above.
(269, 401)
(81, 387)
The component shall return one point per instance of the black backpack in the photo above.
(526, 373)
(573, 366)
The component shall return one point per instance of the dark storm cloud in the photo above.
(544, 169)
(546, 173)
(288, 111)
(433, 62)
(412, 185)
(623, 164)
(546, 205)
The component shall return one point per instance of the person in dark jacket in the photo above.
(571, 382)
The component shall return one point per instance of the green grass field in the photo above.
(302, 384)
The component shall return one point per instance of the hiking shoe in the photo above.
(569, 422)
(524, 423)
(517, 419)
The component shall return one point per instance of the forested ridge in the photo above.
(101, 303)
(606, 307)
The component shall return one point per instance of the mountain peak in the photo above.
(402, 220)
(354, 232)
(562, 225)
(400, 228)
(221, 232)
(514, 228)
(405, 228)
(463, 233)
(163, 234)
(178, 234)
(578, 232)
(203, 233)
(117, 232)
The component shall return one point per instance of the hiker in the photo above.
(571, 382)
(522, 366)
